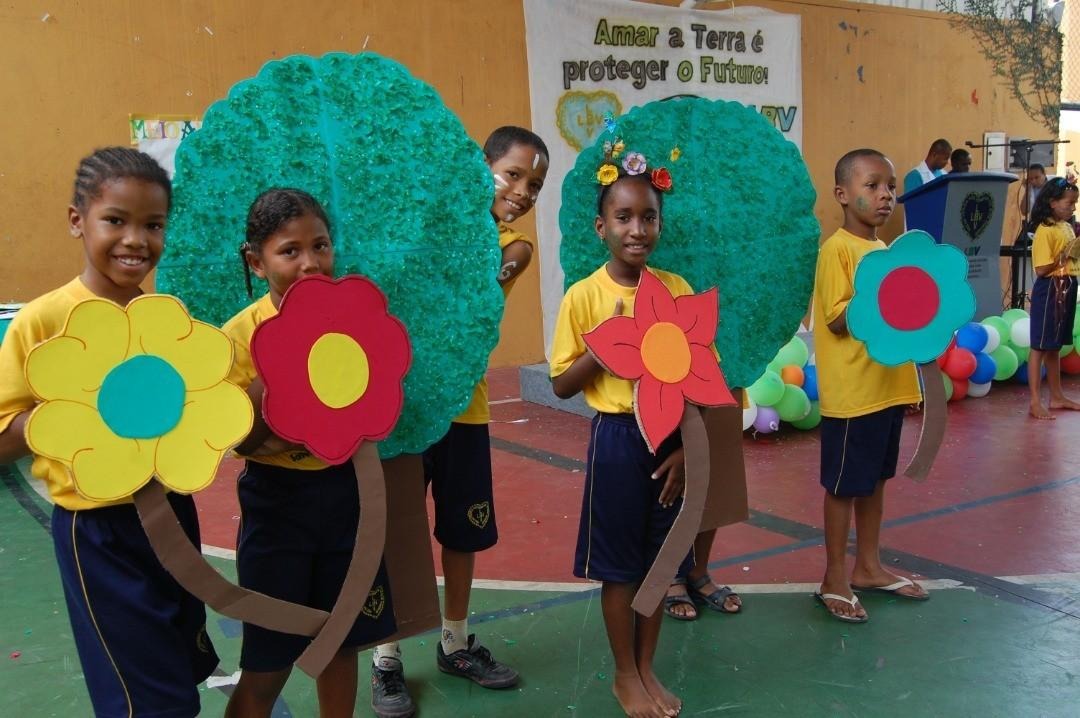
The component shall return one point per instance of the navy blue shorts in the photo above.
(141, 637)
(622, 524)
(1053, 311)
(297, 533)
(458, 467)
(859, 452)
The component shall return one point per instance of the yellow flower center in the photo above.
(665, 352)
(338, 370)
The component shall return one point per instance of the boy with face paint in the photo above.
(862, 402)
(458, 466)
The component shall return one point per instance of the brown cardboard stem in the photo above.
(687, 524)
(726, 501)
(188, 566)
(933, 423)
(364, 565)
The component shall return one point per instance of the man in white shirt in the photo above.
(933, 166)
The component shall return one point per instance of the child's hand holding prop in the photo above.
(666, 350)
(909, 300)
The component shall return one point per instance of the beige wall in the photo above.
(71, 80)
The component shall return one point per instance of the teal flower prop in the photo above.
(739, 217)
(909, 299)
(407, 192)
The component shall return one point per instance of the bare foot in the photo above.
(679, 609)
(1040, 412)
(881, 577)
(668, 701)
(841, 608)
(633, 698)
(1064, 403)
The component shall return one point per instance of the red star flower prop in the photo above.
(333, 361)
(666, 349)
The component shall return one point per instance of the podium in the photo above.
(966, 210)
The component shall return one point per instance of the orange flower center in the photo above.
(665, 352)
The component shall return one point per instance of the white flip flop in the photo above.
(853, 602)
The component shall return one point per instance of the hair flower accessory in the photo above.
(618, 148)
(634, 164)
(607, 174)
(661, 179)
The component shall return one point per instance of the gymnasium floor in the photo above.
(995, 532)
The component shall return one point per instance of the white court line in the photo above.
(1043, 578)
(504, 401)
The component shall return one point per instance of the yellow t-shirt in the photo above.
(586, 304)
(240, 328)
(478, 411)
(850, 383)
(41, 319)
(1051, 241)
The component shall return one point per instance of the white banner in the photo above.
(591, 57)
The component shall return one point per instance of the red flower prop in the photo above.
(333, 362)
(661, 179)
(665, 348)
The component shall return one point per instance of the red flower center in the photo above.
(665, 352)
(909, 298)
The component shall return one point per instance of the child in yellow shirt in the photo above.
(862, 401)
(141, 638)
(1053, 297)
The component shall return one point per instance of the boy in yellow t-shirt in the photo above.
(862, 402)
(458, 466)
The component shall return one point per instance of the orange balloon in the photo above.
(792, 374)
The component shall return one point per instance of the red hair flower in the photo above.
(666, 349)
(661, 179)
(333, 362)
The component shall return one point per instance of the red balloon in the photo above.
(959, 389)
(945, 354)
(960, 363)
(1070, 363)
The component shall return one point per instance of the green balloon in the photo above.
(776, 365)
(1006, 361)
(1000, 324)
(1065, 350)
(810, 420)
(793, 405)
(948, 386)
(768, 389)
(794, 353)
(1011, 315)
(1022, 353)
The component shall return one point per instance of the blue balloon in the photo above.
(809, 384)
(1021, 374)
(973, 337)
(985, 368)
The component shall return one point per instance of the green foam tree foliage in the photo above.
(740, 217)
(407, 192)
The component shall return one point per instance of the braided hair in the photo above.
(108, 164)
(271, 211)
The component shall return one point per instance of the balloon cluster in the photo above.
(995, 349)
(787, 391)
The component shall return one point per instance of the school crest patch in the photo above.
(479, 514)
(375, 603)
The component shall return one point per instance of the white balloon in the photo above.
(1020, 333)
(978, 390)
(749, 414)
(812, 361)
(993, 339)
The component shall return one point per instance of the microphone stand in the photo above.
(1020, 251)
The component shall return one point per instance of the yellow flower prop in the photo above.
(607, 174)
(128, 394)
